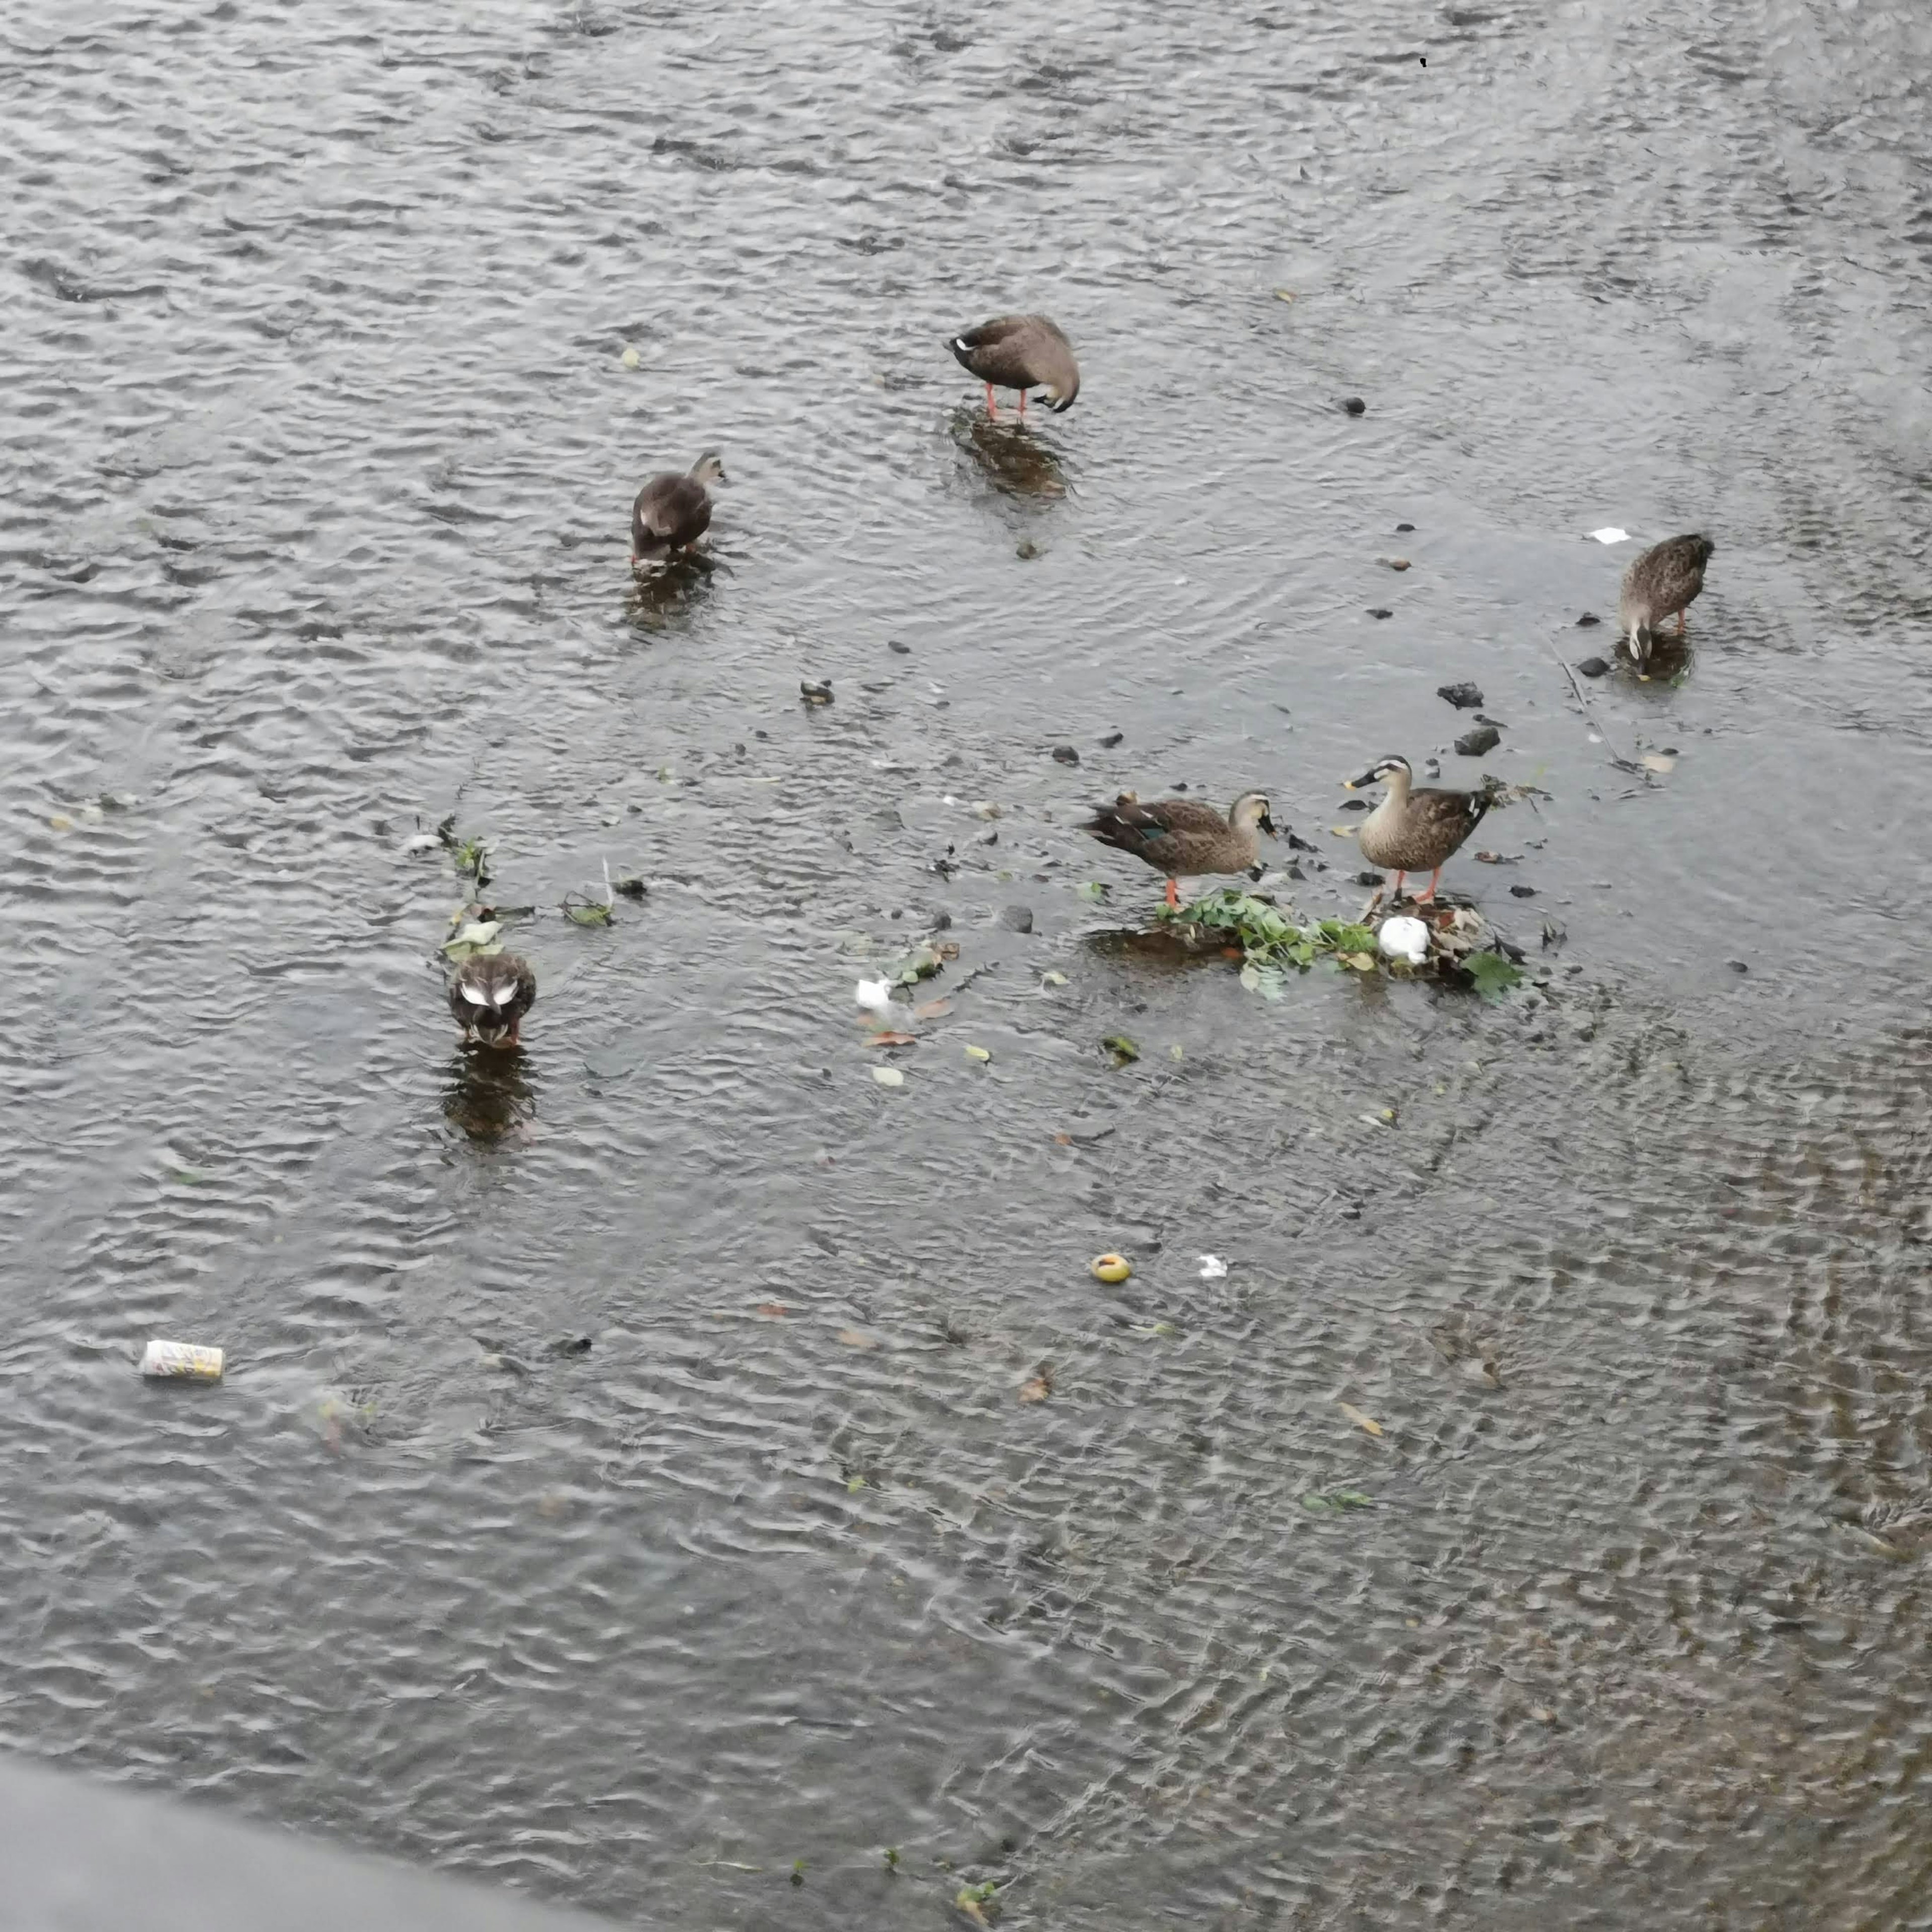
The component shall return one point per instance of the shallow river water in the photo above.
(318, 466)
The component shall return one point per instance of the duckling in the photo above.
(490, 994)
(1182, 837)
(673, 512)
(1020, 351)
(1662, 583)
(1413, 831)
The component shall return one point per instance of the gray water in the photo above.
(319, 462)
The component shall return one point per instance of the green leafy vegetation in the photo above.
(1492, 974)
(1272, 945)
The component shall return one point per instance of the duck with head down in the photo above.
(1664, 582)
(1022, 352)
(490, 993)
(1414, 831)
(1184, 838)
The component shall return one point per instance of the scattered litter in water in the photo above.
(1610, 534)
(875, 995)
(582, 909)
(630, 359)
(1361, 1421)
(1039, 1386)
(1339, 1500)
(888, 1076)
(1212, 1268)
(1124, 1050)
(1403, 938)
(1111, 1268)
(982, 1055)
(817, 693)
(182, 1362)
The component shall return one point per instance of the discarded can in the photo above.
(182, 1361)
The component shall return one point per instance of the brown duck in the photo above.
(673, 512)
(1182, 837)
(490, 994)
(1662, 583)
(1414, 831)
(1022, 352)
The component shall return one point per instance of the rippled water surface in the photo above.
(318, 461)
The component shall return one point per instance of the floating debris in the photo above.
(1124, 1050)
(1111, 1268)
(888, 1076)
(1378, 611)
(875, 995)
(1212, 1268)
(182, 1362)
(1404, 938)
(819, 693)
(1609, 534)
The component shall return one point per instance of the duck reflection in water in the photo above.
(659, 595)
(1012, 459)
(489, 1093)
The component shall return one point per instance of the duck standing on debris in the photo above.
(1663, 582)
(1022, 352)
(1183, 838)
(490, 994)
(1414, 831)
(673, 512)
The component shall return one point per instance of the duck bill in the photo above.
(1355, 785)
(1268, 826)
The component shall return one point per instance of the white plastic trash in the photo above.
(1609, 534)
(1403, 938)
(182, 1362)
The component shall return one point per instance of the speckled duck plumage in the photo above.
(489, 995)
(1022, 352)
(1183, 838)
(1412, 831)
(673, 512)
(1663, 582)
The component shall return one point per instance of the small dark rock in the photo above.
(571, 1345)
(820, 693)
(1352, 805)
(1112, 739)
(1016, 919)
(1588, 618)
(761, 734)
(1295, 872)
(1355, 406)
(1465, 696)
(1026, 549)
(1179, 784)
(1593, 667)
(1402, 530)
(1523, 892)
(1737, 965)
(987, 838)
(632, 888)
(1297, 844)
(940, 921)
(1378, 611)
(1474, 744)
(1065, 755)
(903, 650)
(1369, 879)
(1496, 722)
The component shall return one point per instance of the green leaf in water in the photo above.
(1492, 974)
(1124, 1050)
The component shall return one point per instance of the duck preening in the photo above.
(1183, 838)
(1663, 582)
(1022, 352)
(1414, 831)
(490, 994)
(673, 512)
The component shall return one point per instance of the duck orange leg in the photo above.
(1173, 894)
(1023, 405)
(992, 407)
(1428, 897)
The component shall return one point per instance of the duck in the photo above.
(1414, 831)
(1022, 352)
(673, 512)
(1184, 838)
(1663, 582)
(490, 994)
